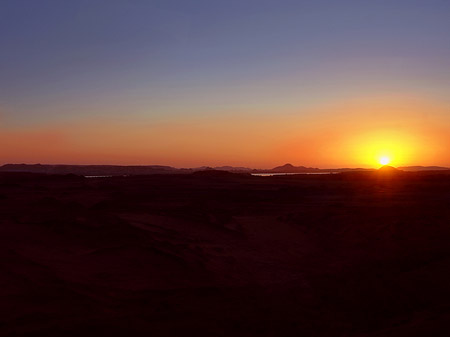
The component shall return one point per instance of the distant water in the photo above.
(287, 174)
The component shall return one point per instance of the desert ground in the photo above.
(221, 254)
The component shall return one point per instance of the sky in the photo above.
(245, 83)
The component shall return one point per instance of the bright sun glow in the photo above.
(384, 160)
(384, 147)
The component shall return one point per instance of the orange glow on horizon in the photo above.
(338, 135)
(391, 147)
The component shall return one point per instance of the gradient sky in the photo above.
(244, 83)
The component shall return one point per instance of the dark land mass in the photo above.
(422, 168)
(93, 170)
(222, 254)
(117, 170)
(289, 168)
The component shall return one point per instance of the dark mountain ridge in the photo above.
(118, 170)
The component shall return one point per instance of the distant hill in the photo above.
(423, 168)
(118, 170)
(289, 168)
(92, 170)
(387, 168)
(233, 168)
(219, 174)
(113, 170)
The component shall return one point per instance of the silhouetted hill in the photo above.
(423, 168)
(118, 170)
(92, 170)
(289, 168)
(233, 168)
(218, 174)
(349, 169)
(387, 168)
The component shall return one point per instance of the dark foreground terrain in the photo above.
(220, 254)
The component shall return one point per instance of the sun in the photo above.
(384, 160)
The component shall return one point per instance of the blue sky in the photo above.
(143, 54)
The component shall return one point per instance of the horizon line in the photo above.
(231, 166)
